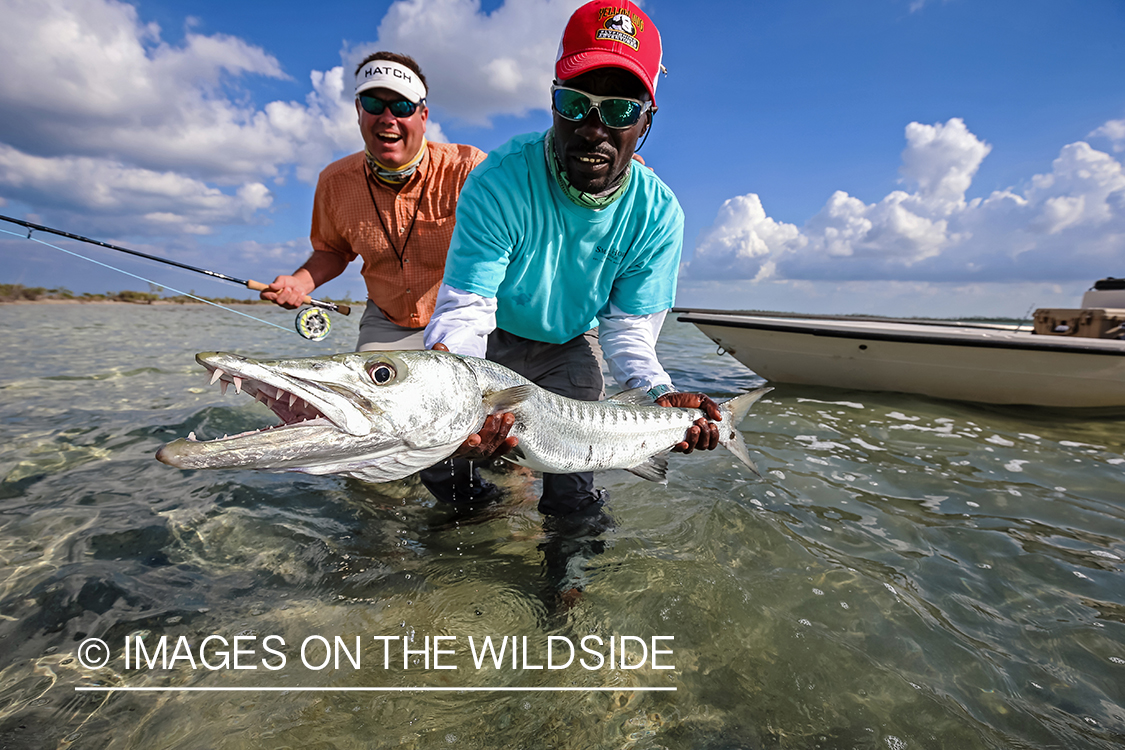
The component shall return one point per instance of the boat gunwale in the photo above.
(730, 319)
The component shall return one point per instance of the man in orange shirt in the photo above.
(393, 204)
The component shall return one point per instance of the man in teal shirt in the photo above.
(566, 246)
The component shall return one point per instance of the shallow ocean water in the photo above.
(907, 573)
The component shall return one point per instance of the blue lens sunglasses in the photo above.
(401, 108)
(616, 112)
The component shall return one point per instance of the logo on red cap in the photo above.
(621, 26)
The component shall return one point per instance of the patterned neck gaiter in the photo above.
(594, 201)
(398, 176)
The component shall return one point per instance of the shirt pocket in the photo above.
(429, 241)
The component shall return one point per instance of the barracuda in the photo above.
(382, 416)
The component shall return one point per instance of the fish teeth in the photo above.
(292, 399)
(237, 384)
(191, 435)
(215, 376)
(223, 386)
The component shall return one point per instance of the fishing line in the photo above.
(248, 283)
(142, 278)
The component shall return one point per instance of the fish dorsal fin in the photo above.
(653, 468)
(508, 399)
(635, 396)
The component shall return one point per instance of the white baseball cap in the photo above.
(386, 74)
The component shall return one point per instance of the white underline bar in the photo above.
(369, 689)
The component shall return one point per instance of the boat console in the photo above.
(1102, 315)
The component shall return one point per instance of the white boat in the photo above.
(996, 364)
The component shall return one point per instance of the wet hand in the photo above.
(491, 440)
(704, 434)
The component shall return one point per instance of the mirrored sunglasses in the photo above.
(373, 105)
(615, 112)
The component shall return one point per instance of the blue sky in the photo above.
(905, 157)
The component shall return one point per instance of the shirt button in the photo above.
(406, 260)
(401, 230)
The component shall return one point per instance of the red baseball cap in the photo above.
(608, 34)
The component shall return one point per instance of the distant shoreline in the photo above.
(81, 301)
(18, 294)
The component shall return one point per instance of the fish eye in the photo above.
(381, 373)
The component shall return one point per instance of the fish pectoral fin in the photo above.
(515, 455)
(654, 468)
(634, 396)
(508, 399)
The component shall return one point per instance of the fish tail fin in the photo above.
(734, 411)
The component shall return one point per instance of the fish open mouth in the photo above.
(289, 407)
(314, 415)
(338, 414)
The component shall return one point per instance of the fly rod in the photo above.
(249, 284)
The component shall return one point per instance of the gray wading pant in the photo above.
(377, 334)
(572, 369)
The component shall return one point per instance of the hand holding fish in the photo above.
(491, 441)
(702, 435)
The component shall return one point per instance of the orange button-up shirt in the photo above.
(344, 222)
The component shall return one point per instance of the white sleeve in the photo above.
(629, 345)
(462, 321)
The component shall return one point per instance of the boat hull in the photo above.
(993, 365)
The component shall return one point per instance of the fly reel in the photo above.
(313, 323)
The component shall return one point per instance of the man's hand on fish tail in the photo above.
(491, 440)
(704, 434)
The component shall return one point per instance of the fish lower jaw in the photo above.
(314, 422)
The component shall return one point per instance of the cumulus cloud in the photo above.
(90, 79)
(1068, 223)
(479, 65)
(155, 201)
(743, 241)
(105, 117)
(166, 135)
(1114, 131)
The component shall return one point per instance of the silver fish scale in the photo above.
(561, 435)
